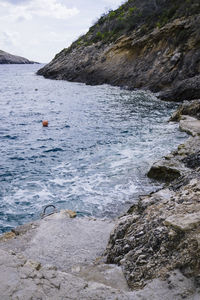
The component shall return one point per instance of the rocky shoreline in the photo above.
(156, 244)
(162, 232)
(164, 61)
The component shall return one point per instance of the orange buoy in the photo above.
(45, 123)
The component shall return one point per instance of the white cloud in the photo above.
(38, 29)
(114, 3)
(39, 8)
(8, 39)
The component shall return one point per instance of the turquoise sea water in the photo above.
(94, 155)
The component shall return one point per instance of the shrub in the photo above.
(112, 14)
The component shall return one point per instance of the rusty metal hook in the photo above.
(43, 215)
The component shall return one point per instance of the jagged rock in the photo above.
(190, 125)
(71, 213)
(184, 222)
(165, 171)
(156, 244)
(164, 236)
(192, 161)
(187, 89)
(23, 278)
(190, 108)
(6, 236)
(177, 164)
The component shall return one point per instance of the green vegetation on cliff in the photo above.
(145, 44)
(138, 16)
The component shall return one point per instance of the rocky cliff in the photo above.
(144, 44)
(6, 58)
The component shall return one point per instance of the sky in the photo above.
(38, 29)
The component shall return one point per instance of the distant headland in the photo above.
(7, 58)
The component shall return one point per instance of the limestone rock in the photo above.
(184, 222)
(189, 108)
(190, 125)
(164, 236)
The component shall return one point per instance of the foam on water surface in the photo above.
(94, 155)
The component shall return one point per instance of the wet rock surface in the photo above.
(189, 108)
(186, 157)
(153, 251)
(161, 232)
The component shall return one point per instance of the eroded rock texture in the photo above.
(164, 59)
(162, 232)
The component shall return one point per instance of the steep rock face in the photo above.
(6, 58)
(165, 59)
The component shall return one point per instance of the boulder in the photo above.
(190, 125)
(184, 222)
(165, 171)
(190, 108)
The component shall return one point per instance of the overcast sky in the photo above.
(38, 29)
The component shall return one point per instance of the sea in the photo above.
(92, 158)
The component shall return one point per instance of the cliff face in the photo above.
(159, 49)
(6, 58)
